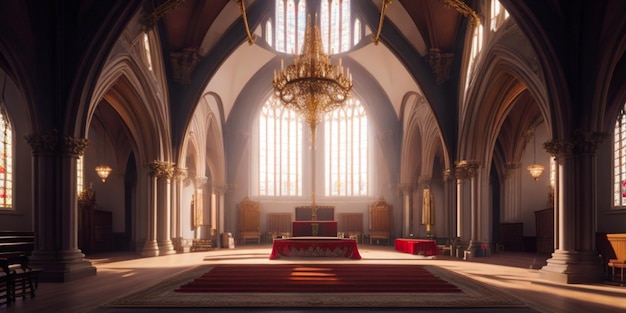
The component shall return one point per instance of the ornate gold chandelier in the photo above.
(312, 86)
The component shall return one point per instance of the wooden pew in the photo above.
(18, 278)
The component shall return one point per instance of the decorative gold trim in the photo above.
(148, 20)
(242, 6)
(464, 9)
(383, 7)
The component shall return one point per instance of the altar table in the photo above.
(324, 228)
(416, 246)
(315, 247)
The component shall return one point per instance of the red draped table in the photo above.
(416, 246)
(315, 247)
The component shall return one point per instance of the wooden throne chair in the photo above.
(249, 221)
(380, 221)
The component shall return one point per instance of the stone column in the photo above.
(177, 190)
(575, 260)
(199, 184)
(468, 170)
(55, 207)
(151, 248)
(448, 201)
(511, 212)
(163, 171)
(424, 183)
(407, 216)
(220, 191)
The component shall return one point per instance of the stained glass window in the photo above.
(6, 160)
(619, 160)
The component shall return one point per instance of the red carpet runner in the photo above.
(318, 278)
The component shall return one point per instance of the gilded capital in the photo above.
(405, 188)
(200, 181)
(587, 141)
(52, 143)
(466, 169)
(180, 173)
(161, 169)
(447, 173)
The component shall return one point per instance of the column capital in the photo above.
(424, 181)
(220, 188)
(405, 188)
(510, 168)
(180, 173)
(52, 143)
(466, 169)
(161, 169)
(447, 173)
(199, 181)
(581, 142)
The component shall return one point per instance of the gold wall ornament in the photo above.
(383, 7)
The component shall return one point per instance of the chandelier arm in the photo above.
(383, 7)
(464, 9)
(242, 6)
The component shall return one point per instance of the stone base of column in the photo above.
(166, 247)
(476, 249)
(150, 249)
(61, 266)
(570, 267)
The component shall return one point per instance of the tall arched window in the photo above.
(346, 151)
(6, 160)
(338, 34)
(498, 15)
(280, 151)
(619, 160)
(477, 45)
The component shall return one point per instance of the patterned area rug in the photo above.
(473, 294)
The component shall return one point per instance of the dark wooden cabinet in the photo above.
(544, 227)
(512, 236)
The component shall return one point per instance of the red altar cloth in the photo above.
(416, 246)
(324, 228)
(315, 247)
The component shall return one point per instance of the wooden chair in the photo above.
(380, 221)
(351, 224)
(279, 224)
(249, 221)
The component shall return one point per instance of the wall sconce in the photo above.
(535, 169)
